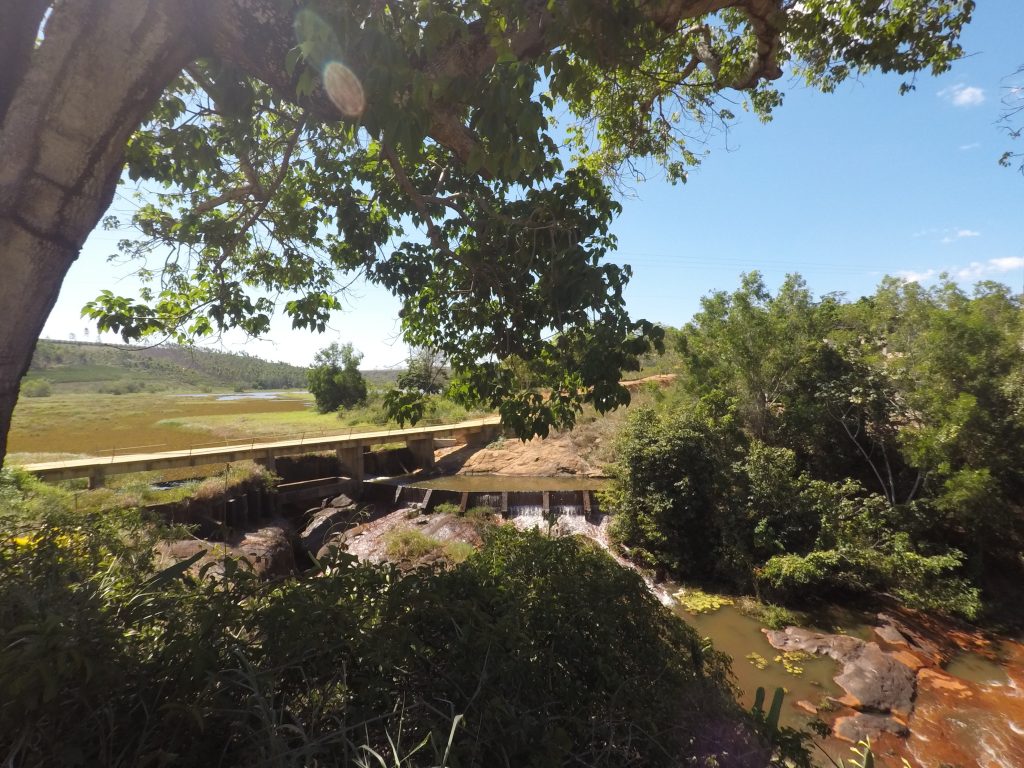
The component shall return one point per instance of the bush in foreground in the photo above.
(550, 653)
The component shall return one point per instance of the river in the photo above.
(968, 711)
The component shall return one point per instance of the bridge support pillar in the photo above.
(481, 436)
(351, 461)
(422, 449)
(269, 462)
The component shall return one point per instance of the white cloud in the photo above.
(963, 95)
(969, 147)
(910, 276)
(947, 234)
(1007, 263)
(959, 234)
(973, 271)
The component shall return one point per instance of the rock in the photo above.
(267, 550)
(887, 633)
(918, 633)
(937, 680)
(909, 658)
(872, 678)
(325, 523)
(807, 707)
(878, 681)
(861, 726)
(174, 551)
(839, 647)
(341, 502)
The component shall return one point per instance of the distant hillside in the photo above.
(74, 366)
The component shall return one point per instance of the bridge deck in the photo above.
(54, 471)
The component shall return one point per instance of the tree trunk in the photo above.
(71, 104)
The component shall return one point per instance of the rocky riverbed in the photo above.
(899, 692)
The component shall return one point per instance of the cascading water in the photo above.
(492, 500)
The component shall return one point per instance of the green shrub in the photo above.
(771, 615)
(236, 476)
(545, 650)
(925, 582)
(124, 387)
(36, 388)
(447, 508)
(480, 513)
(409, 544)
(458, 551)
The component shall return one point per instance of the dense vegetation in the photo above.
(823, 447)
(532, 652)
(83, 366)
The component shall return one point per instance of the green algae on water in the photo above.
(697, 601)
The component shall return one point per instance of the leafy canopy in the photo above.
(415, 145)
(816, 445)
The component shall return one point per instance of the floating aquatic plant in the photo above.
(759, 661)
(698, 601)
(790, 661)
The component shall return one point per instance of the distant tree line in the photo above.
(122, 367)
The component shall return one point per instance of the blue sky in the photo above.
(842, 187)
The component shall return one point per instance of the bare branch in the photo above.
(230, 195)
(415, 197)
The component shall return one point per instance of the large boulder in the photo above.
(268, 551)
(369, 541)
(862, 725)
(873, 679)
(326, 522)
(555, 455)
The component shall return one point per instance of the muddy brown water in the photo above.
(740, 636)
(978, 669)
(974, 720)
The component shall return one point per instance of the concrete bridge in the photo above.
(349, 449)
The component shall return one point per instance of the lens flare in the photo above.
(321, 49)
(344, 89)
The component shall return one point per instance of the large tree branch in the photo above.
(256, 36)
(19, 27)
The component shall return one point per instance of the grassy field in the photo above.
(96, 424)
(67, 425)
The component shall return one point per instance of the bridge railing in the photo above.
(253, 441)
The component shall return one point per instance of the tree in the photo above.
(285, 143)
(425, 371)
(335, 380)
